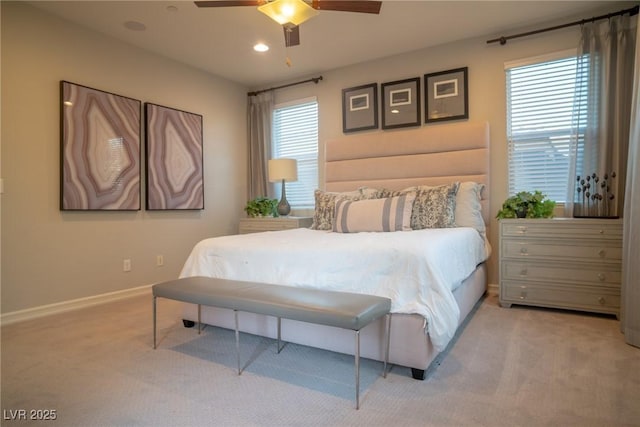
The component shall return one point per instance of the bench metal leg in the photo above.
(357, 357)
(154, 322)
(388, 339)
(235, 312)
(279, 333)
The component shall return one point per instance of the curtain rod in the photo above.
(258, 92)
(503, 40)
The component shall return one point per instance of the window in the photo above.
(295, 136)
(540, 105)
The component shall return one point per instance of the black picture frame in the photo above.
(401, 103)
(99, 150)
(446, 95)
(174, 159)
(360, 108)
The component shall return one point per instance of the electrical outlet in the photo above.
(126, 265)
(159, 260)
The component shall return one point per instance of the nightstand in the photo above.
(256, 225)
(570, 263)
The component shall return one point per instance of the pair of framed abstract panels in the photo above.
(445, 98)
(100, 153)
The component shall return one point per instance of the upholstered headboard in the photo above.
(430, 155)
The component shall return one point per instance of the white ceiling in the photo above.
(220, 40)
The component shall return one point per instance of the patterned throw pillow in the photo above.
(434, 207)
(388, 214)
(326, 205)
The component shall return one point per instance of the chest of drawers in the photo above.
(566, 263)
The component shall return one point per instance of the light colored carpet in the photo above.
(508, 367)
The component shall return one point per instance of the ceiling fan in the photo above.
(291, 13)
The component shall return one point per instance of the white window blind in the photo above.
(295, 136)
(540, 104)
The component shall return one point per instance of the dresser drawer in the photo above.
(601, 300)
(575, 229)
(564, 249)
(587, 274)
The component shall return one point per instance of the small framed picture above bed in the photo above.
(99, 150)
(175, 178)
(360, 108)
(446, 95)
(401, 103)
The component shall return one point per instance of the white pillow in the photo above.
(388, 214)
(469, 208)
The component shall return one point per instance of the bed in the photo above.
(434, 274)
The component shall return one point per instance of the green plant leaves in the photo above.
(534, 204)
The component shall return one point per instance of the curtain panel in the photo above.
(630, 324)
(259, 112)
(601, 118)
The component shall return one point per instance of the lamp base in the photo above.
(283, 206)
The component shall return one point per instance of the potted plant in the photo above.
(526, 204)
(261, 206)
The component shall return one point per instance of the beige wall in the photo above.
(50, 256)
(487, 93)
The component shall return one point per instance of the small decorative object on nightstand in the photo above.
(571, 263)
(594, 198)
(256, 225)
(285, 170)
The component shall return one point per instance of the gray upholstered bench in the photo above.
(331, 308)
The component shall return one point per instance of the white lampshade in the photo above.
(280, 169)
(285, 11)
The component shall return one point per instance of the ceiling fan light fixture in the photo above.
(288, 11)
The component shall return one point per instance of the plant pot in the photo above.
(521, 212)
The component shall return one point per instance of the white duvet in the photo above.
(417, 270)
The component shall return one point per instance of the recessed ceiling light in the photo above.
(172, 8)
(135, 26)
(261, 47)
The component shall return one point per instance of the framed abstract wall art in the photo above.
(446, 95)
(401, 103)
(99, 150)
(360, 108)
(175, 176)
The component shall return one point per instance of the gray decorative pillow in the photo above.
(388, 214)
(434, 207)
(326, 204)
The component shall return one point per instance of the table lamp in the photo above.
(284, 170)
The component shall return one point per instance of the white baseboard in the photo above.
(61, 307)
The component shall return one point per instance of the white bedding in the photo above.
(417, 269)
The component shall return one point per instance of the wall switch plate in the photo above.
(126, 265)
(159, 260)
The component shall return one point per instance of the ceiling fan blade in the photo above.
(291, 35)
(362, 6)
(225, 3)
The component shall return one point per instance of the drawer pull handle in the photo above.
(601, 231)
(601, 300)
(522, 229)
(523, 272)
(523, 251)
(602, 253)
(601, 277)
(523, 295)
